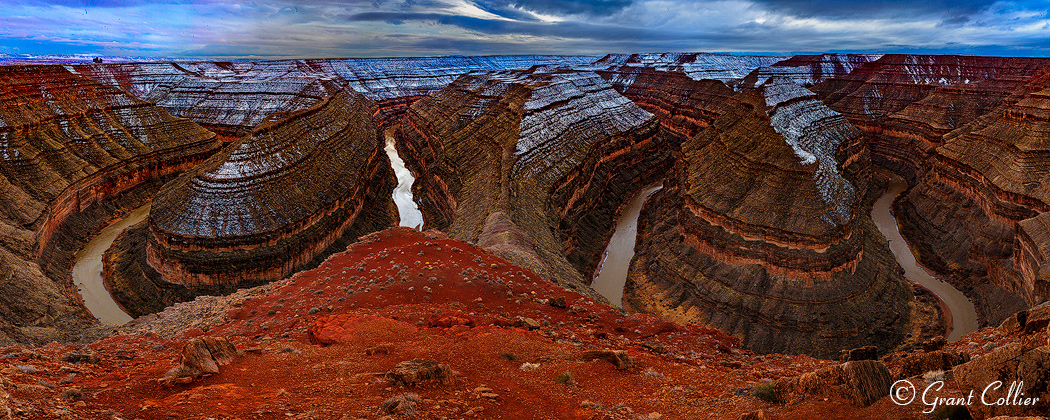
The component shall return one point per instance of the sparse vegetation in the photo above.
(566, 379)
(765, 392)
(508, 356)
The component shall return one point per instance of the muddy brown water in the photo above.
(963, 314)
(612, 271)
(87, 271)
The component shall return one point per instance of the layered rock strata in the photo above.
(808, 70)
(698, 66)
(231, 98)
(74, 151)
(759, 232)
(965, 132)
(684, 106)
(540, 160)
(273, 201)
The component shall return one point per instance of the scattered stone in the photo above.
(755, 415)
(618, 358)
(917, 364)
(860, 353)
(403, 405)
(653, 346)
(380, 349)
(409, 373)
(529, 323)
(84, 355)
(558, 302)
(933, 344)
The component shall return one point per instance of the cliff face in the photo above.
(270, 203)
(960, 129)
(698, 66)
(557, 151)
(759, 233)
(808, 70)
(231, 98)
(684, 106)
(74, 151)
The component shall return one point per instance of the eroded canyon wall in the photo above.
(965, 132)
(272, 201)
(532, 164)
(74, 152)
(758, 232)
(233, 97)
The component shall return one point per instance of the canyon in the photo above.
(750, 180)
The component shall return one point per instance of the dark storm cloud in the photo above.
(566, 29)
(562, 7)
(862, 8)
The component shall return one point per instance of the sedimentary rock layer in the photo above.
(684, 106)
(964, 131)
(808, 70)
(231, 98)
(759, 233)
(698, 66)
(542, 159)
(73, 151)
(272, 202)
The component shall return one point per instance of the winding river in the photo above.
(612, 270)
(87, 272)
(964, 316)
(406, 206)
(612, 273)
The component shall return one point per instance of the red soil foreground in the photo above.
(424, 296)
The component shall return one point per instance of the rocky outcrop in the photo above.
(861, 383)
(1016, 373)
(759, 233)
(559, 151)
(272, 202)
(74, 151)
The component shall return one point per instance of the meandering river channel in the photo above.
(964, 316)
(87, 271)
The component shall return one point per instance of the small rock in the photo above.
(402, 405)
(380, 349)
(84, 355)
(409, 373)
(618, 358)
(558, 302)
(860, 353)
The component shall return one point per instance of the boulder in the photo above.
(199, 357)
(861, 383)
(618, 358)
(412, 372)
(1020, 371)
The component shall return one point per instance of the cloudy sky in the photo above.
(381, 28)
